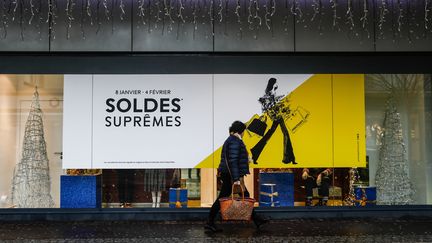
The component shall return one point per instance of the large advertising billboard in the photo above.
(181, 121)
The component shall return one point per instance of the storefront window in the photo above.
(31, 121)
(89, 141)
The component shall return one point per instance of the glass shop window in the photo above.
(151, 188)
(31, 120)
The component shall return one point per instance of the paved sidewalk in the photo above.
(296, 230)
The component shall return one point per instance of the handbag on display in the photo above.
(257, 126)
(236, 208)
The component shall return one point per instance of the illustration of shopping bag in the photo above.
(257, 126)
(297, 118)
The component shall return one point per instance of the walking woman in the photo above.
(234, 165)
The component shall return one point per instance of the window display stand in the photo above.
(80, 191)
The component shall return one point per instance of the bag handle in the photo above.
(232, 191)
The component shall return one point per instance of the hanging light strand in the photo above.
(334, 5)
(382, 17)
(426, 15)
(210, 13)
(158, 13)
(317, 8)
(82, 19)
(107, 12)
(21, 20)
(270, 10)
(40, 19)
(400, 17)
(4, 19)
(51, 19)
(89, 11)
(141, 11)
(239, 21)
(149, 16)
(194, 19)
(350, 15)
(167, 9)
(409, 23)
(122, 10)
(98, 19)
(180, 11)
(220, 11)
(364, 19)
(15, 4)
(296, 11)
(32, 12)
(69, 16)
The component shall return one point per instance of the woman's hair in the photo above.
(270, 84)
(237, 127)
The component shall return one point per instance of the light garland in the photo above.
(399, 16)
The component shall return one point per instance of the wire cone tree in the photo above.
(31, 185)
(392, 179)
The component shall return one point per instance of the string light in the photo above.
(296, 11)
(350, 15)
(32, 12)
(122, 10)
(364, 18)
(4, 19)
(334, 5)
(107, 12)
(141, 12)
(69, 10)
(239, 21)
(382, 17)
(89, 12)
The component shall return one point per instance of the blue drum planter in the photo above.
(80, 191)
(269, 197)
(278, 184)
(365, 195)
(178, 198)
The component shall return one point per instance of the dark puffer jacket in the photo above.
(235, 151)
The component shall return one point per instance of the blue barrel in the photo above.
(177, 198)
(365, 195)
(269, 197)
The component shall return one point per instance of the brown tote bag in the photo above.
(236, 208)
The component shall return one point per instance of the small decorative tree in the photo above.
(350, 199)
(31, 185)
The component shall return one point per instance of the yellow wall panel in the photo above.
(349, 120)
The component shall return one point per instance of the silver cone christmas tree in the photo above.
(31, 185)
(392, 177)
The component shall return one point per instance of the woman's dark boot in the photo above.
(212, 227)
(258, 221)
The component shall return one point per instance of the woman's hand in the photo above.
(250, 160)
(237, 183)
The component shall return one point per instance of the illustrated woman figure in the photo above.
(271, 105)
